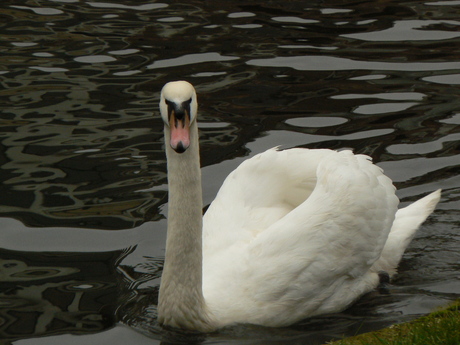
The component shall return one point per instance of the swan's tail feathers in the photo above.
(406, 223)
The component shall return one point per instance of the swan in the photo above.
(291, 233)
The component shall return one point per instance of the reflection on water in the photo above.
(77, 294)
(81, 150)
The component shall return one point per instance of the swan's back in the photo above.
(294, 233)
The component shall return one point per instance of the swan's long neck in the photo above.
(181, 301)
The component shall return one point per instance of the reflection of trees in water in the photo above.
(44, 294)
(80, 145)
(54, 293)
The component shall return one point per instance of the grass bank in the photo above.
(441, 327)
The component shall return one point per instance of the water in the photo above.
(83, 191)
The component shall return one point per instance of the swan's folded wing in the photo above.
(258, 193)
(270, 195)
(348, 215)
(339, 231)
(314, 257)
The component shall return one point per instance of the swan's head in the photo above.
(178, 108)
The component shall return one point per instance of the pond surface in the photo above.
(83, 193)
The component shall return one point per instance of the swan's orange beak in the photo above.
(179, 123)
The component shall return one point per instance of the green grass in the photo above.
(442, 327)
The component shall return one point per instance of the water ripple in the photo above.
(411, 30)
(333, 63)
(191, 59)
(144, 7)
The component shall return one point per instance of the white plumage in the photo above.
(291, 234)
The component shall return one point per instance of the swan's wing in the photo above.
(317, 254)
(341, 229)
(258, 193)
(269, 186)
(350, 210)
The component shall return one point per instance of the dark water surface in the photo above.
(83, 172)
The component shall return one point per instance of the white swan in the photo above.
(291, 234)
